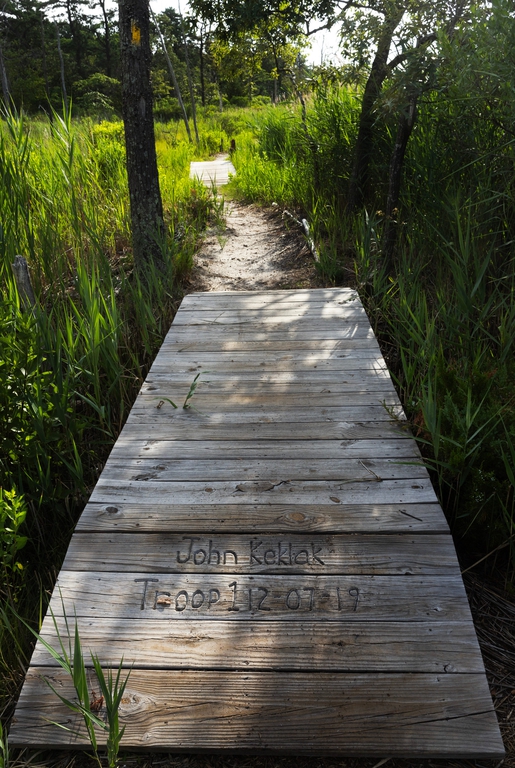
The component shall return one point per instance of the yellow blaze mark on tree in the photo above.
(135, 32)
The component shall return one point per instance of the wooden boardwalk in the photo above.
(272, 561)
(213, 171)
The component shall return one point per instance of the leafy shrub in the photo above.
(12, 517)
(109, 150)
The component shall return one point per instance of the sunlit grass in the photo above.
(71, 367)
(445, 312)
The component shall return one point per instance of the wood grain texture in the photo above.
(364, 341)
(343, 470)
(395, 450)
(196, 426)
(327, 316)
(435, 647)
(246, 299)
(354, 714)
(256, 518)
(272, 563)
(234, 366)
(149, 413)
(212, 399)
(233, 386)
(263, 554)
(170, 597)
(271, 333)
(370, 491)
(270, 357)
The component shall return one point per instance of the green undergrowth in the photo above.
(444, 311)
(71, 366)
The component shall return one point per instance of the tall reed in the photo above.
(71, 367)
(446, 311)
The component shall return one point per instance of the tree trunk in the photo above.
(404, 130)
(202, 76)
(359, 180)
(61, 63)
(43, 51)
(148, 232)
(107, 37)
(190, 79)
(76, 36)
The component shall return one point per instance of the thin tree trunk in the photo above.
(107, 37)
(405, 127)
(75, 33)
(61, 62)
(148, 231)
(5, 83)
(172, 75)
(43, 50)
(202, 76)
(358, 183)
(190, 80)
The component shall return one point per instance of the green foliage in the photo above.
(98, 89)
(4, 748)
(274, 169)
(112, 689)
(446, 310)
(446, 321)
(12, 516)
(71, 367)
(70, 657)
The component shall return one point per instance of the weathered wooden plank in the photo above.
(362, 379)
(247, 299)
(258, 401)
(250, 518)
(326, 313)
(419, 491)
(352, 383)
(296, 294)
(396, 450)
(354, 714)
(149, 413)
(199, 427)
(449, 647)
(198, 344)
(272, 333)
(256, 321)
(317, 308)
(333, 365)
(263, 554)
(270, 357)
(224, 597)
(343, 470)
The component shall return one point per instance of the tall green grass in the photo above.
(446, 311)
(71, 367)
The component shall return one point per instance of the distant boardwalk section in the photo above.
(213, 171)
(270, 560)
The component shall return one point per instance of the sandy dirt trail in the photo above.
(256, 250)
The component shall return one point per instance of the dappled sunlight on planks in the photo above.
(272, 561)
